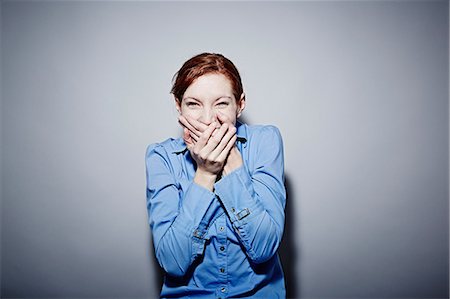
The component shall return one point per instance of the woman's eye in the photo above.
(222, 104)
(191, 104)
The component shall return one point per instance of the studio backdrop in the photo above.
(358, 89)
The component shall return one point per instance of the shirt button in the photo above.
(233, 210)
(222, 228)
(223, 290)
(222, 270)
(222, 248)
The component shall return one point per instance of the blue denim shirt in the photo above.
(223, 243)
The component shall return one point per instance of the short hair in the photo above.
(203, 64)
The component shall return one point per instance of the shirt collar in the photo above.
(180, 146)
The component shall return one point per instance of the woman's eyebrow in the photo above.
(228, 97)
(192, 98)
(221, 97)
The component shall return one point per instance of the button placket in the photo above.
(222, 257)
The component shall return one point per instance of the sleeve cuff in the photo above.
(236, 192)
(196, 203)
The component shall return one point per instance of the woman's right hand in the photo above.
(210, 151)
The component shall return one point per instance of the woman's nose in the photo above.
(207, 117)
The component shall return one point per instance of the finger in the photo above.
(223, 118)
(218, 126)
(197, 125)
(193, 136)
(223, 143)
(185, 124)
(202, 141)
(224, 154)
(215, 139)
(192, 124)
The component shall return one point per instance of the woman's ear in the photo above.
(177, 104)
(241, 105)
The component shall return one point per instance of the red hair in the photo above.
(203, 64)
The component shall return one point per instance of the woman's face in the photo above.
(209, 95)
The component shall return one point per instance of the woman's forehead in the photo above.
(209, 86)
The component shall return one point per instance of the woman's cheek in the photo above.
(231, 114)
(190, 113)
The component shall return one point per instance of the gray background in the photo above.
(359, 91)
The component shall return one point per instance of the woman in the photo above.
(216, 196)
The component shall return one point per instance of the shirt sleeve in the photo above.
(178, 220)
(255, 201)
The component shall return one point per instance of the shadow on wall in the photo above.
(287, 252)
(158, 271)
